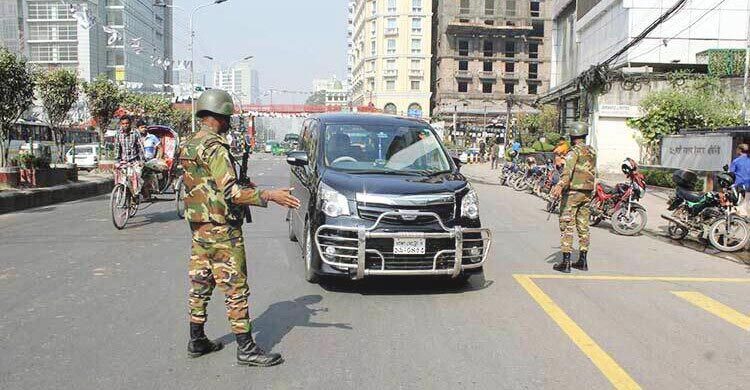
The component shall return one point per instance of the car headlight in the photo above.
(333, 203)
(470, 205)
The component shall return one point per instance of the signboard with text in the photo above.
(705, 152)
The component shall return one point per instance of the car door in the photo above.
(300, 181)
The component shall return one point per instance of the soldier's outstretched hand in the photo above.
(556, 191)
(283, 197)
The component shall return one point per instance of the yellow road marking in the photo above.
(716, 308)
(639, 278)
(608, 366)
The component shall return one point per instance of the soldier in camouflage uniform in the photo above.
(214, 207)
(576, 188)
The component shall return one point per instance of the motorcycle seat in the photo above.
(690, 196)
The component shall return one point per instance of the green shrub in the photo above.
(542, 147)
(663, 178)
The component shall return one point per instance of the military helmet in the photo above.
(578, 129)
(214, 101)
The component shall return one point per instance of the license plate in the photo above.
(408, 246)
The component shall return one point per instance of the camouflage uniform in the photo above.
(577, 181)
(212, 207)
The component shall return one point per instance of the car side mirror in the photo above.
(297, 158)
(457, 161)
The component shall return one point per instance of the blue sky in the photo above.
(293, 41)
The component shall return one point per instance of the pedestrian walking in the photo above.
(482, 150)
(741, 169)
(576, 189)
(215, 207)
(494, 155)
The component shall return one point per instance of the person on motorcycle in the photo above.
(741, 169)
(576, 189)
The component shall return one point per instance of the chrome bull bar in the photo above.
(352, 251)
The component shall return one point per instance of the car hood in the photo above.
(350, 184)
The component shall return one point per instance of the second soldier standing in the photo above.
(214, 208)
(576, 188)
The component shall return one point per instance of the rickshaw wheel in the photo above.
(179, 198)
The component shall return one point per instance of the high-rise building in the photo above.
(350, 42)
(392, 55)
(11, 17)
(129, 41)
(240, 79)
(487, 53)
(336, 93)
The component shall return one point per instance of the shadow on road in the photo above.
(406, 285)
(281, 317)
(150, 218)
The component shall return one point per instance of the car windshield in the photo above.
(377, 148)
(84, 150)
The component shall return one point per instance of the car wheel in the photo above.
(310, 256)
(290, 224)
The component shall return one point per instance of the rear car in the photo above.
(381, 196)
(86, 156)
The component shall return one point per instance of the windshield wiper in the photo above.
(429, 172)
(386, 172)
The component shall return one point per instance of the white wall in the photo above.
(614, 141)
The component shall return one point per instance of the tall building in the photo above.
(489, 55)
(11, 17)
(336, 92)
(392, 55)
(350, 42)
(241, 79)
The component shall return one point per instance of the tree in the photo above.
(317, 99)
(181, 121)
(103, 99)
(699, 103)
(16, 95)
(58, 90)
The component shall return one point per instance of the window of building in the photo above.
(391, 46)
(533, 89)
(67, 32)
(374, 9)
(390, 108)
(68, 52)
(416, 64)
(534, 8)
(537, 28)
(486, 87)
(510, 49)
(392, 6)
(390, 85)
(463, 65)
(416, 5)
(533, 50)
(510, 8)
(116, 57)
(390, 64)
(463, 48)
(416, 46)
(415, 85)
(489, 7)
(114, 17)
(391, 23)
(465, 7)
(463, 86)
(487, 67)
(510, 88)
(415, 110)
(510, 67)
(488, 48)
(416, 25)
(533, 71)
(373, 47)
(40, 52)
(373, 28)
(489, 22)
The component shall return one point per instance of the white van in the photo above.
(86, 156)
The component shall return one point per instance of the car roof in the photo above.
(368, 119)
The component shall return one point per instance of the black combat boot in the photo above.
(581, 263)
(199, 344)
(564, 265)
(250, 354)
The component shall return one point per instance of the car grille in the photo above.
(371, 212)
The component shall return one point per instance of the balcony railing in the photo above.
(487, 74)
(416, 72)
(391, 31)
(510, 75)
(390, 72)
(463, 74)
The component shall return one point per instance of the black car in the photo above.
(381, 196)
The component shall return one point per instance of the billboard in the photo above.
(699, 152)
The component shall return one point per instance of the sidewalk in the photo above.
(86, 186)
(655, 202)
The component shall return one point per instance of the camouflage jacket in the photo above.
(211, 190)
(579, 173)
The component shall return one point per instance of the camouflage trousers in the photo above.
(574, 215)
(218, 258)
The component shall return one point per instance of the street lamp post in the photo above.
(192, 55)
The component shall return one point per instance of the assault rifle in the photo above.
(243, 179)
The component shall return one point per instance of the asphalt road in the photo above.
(84, 306)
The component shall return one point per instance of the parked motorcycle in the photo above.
(711, 214)
(619, 204)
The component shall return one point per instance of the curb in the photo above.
(26, 199)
